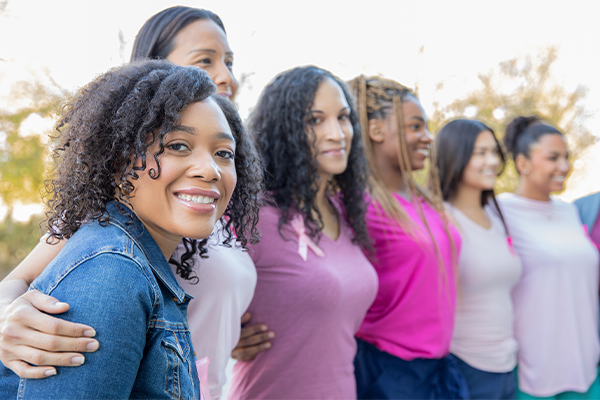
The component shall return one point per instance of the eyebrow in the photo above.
(229, 53)
(417, 118)
(216, 136)
(321, 112)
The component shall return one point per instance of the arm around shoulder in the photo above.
(113, 294)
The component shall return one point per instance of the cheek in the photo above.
(229, 177)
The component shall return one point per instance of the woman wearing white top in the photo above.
(469, 160)
(556, 301)
(226, 279)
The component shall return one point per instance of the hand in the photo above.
(253, 340)
(28, 336)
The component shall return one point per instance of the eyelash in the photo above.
(173, 145)
(230, 155)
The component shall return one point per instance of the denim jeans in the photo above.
(117, 280)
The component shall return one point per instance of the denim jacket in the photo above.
(116, 279)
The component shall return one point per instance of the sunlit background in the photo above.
(444, 49)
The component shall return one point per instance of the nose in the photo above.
(224, 79)
(426, 136)
(335, 131)
(564, 166)
(493, 159)
(205, 168)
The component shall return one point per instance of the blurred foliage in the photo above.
(522, 87)
(16, 241)
(23, 163)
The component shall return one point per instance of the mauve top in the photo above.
(413, 313)
(556, 300)
(314, 307)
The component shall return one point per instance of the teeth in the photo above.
(196, 199)
(558, 178)
(425, 152)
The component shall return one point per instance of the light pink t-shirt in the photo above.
(314, 307)
(413, 313)
(556, 300)
(488, 270)
(226, 281)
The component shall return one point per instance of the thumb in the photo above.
(246, 318)
(45, 303)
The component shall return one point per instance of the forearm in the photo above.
(10, 290)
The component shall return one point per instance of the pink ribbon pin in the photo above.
(510, 245)
(304, 241)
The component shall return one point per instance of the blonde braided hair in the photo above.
(373, 95)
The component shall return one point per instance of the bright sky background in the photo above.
(414, 42)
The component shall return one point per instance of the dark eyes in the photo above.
(226, 154)
(177, 147)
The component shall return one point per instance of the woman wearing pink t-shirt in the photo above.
(404, 341)
(314, 282)
(556, 301)
(469, 160)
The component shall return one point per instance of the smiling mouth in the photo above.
(560, 179)
(197, 199)
(424, 152)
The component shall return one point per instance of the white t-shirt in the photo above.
(227, 279)
(488, 269)
(556, 301)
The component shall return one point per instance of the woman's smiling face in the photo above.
(203, 44)
(197, 177)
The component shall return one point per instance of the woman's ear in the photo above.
(376, 130)
(522, 164)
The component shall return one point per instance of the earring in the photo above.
(525, 171)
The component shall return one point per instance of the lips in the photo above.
(424, 152)
(199, 200)
(335, 152)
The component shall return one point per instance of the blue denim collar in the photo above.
(126, 219)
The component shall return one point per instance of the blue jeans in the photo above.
(380, 375)
(488, 385)
(117, 280)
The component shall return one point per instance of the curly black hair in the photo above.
(283, 133)
(107, 129)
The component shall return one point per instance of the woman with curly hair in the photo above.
(314, 283)
(225, 282)
(556, 301)
(146, 157)
(469, 158)
(404, 341)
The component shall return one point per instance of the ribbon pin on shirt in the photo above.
(304, 241)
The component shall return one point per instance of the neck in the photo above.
(529, 191)
(391, 176)
(467, 199)
(321, 201)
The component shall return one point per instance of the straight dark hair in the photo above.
(156, 38)
(454, 145)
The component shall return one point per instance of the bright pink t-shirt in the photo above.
(314, 307)
(413, 313)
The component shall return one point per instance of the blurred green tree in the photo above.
(23, 156)
(522, 86)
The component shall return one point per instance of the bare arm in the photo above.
(27, 334)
